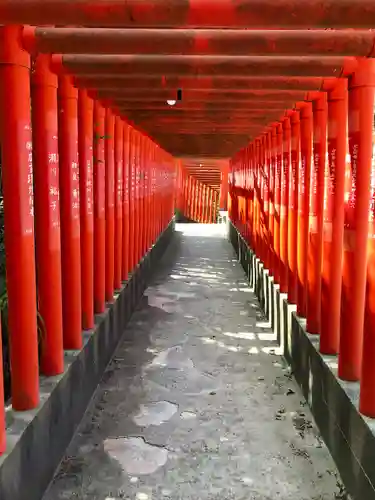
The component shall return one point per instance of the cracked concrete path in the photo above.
(196, 403)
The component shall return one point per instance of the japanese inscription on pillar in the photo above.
(89, 183)
(28, 219)
(54, 192)
(75, 189)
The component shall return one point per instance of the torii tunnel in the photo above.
(132, 129)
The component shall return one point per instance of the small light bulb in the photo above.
(171, 102)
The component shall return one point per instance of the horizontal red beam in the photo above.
(202, 107)
(203, 13)
(200, 42)
(143, 120)
(228, 83)
(249, 124)
(206, 65)
(202, 95)
(215, 133)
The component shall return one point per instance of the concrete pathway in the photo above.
(197, 404)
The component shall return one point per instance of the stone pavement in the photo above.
(197, 403)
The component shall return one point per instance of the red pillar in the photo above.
(333, 225)
(258, 219)
(207, 202)
(284, 198)
(186, 195)
(199, 202)
(132, 205)
(125, 208)
(194, 199)
(17, 179)
(141, 190)
(259, 230)
(202, 200)
(85, 150)
(265, 198)
(367, 399)
(251, 196)
(99, 209)
(278, 145)
(361, 117)
(197, 194)
(367, 393)
(271, 136)
(210, 208)
(147, 194)
(109, 144)
(190, 197)
(315, 243)
(137, 222)
(70, 214)
(303, 207)
(153, 191)
(295, 162)
(203, 204)
(119, 173)
(47, 213)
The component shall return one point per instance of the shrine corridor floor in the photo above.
(197, 403)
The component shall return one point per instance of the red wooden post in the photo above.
(150, 166)
(265, 198)
(207, 201)
(293, 206)
(125, 208)
(367, 394)
(210, 202)
(271, 222)
(258, 183)
(141, 190)
(132, 204)
(202, 200)
(197, 194)
(190, 197)
(277, 198)
(199, 214)
(257, 238)
(99, 208)
(303, 206)
(224, 187)
(47, 213)
(70, 214)
(333, 226)
(119, 173)
(109, 143)
(147, 194)
(315, 242)
(193, 198)
(185, 195)
(361, 117)
(153, 193)
(252, 195)
(284, 199)
(137, 211)
(203, 203)
(85, 150)
(17, 179)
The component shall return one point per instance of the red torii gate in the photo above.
(79, 100)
